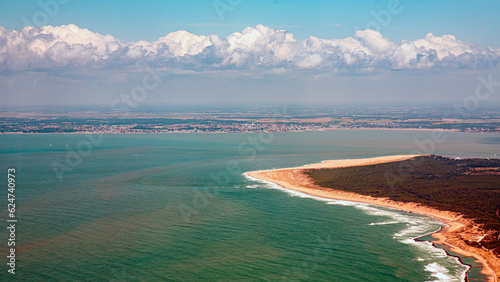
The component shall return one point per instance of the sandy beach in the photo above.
(294, 179)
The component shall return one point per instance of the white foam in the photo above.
(439, 272)
(384, 223)
(293, 193)
(417, 225)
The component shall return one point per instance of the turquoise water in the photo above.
(148, 207)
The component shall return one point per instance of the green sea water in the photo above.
(178, 207)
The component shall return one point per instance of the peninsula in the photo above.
(463, 193)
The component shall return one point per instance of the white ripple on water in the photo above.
(438, 272)
(417, 225)
(384, 223)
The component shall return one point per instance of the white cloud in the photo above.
(445, 45)
(376, 44)
(407, 56)
(310, 61)
(257, 48)
(51, 47)
(182, 42)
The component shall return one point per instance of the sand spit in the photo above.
(294, 179)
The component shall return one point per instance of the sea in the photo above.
(179, 207)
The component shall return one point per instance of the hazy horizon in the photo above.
(240, 52)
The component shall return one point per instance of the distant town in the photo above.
(251, 119)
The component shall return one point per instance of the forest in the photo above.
(470, 187)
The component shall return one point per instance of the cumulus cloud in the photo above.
(254, 48)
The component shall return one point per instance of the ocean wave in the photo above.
(441, 267)
(384, 223)
(439, 272)
(416, 225)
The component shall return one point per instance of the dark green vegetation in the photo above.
(467, 186)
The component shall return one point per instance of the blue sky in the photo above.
(475, 21)
(266, 51)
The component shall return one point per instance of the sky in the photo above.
(75, 52)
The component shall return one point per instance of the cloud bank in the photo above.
(70, 47)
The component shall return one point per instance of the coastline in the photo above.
(294, 179)
(224, 132)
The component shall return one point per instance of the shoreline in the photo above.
(419, 239)
(293, 179)
(223, 132)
